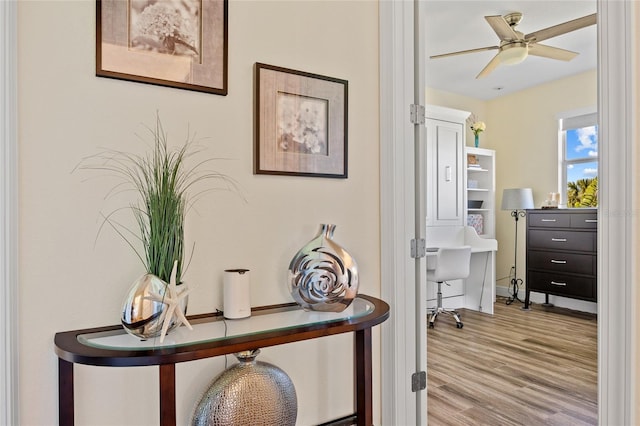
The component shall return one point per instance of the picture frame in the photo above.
(132, 43)
(300, 126)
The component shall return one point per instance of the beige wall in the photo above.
(523, 129)
(70, 280)
(525, 137)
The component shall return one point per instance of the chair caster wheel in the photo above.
(459, 324)
(430, 325)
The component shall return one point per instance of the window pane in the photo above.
(579, 171)
(582, 184)
(582, 143)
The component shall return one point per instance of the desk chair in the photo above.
(452, 263)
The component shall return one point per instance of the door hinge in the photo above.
(418, 248)
(417, 114)
(418, 381)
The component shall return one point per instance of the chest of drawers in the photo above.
(562, 253)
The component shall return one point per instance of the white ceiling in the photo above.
(454, 25)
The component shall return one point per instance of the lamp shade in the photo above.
(517, 199)
(514, 53)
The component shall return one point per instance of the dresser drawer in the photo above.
(584, 220)
(549, 220)
(562, 284)
(562, 240)
(570, 263)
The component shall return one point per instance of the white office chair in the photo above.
(452, 263)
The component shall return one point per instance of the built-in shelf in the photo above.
(480, 184)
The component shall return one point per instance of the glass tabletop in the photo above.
(218, 328)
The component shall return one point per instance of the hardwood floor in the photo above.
(516, 367)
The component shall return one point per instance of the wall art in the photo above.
(175, 43)
(300, 123)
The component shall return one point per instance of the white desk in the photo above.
(478, 291)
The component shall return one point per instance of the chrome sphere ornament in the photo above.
(248, 393)
(322, 275)
(142, 314)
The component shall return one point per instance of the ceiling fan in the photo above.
(515, 46)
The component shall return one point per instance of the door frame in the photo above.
(617, 106)
(403, 350)
(9, 393)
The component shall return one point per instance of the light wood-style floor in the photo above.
(516, 367)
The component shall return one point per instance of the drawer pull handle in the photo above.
(447, 173)
(548, 220)
(559, 240)
(562, 262)
(591, 220)
(557, 283)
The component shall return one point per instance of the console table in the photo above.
(212, 336)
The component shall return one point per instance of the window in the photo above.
(579, 160)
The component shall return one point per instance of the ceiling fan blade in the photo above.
(493, 63)
(502, 28)
(551, 52)
(463, 52)
(563, 28)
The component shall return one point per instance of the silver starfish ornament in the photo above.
(173, 301)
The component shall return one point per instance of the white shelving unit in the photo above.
(480, 184)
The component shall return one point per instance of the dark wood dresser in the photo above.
(562, 253)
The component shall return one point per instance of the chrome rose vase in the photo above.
(142, 316)
(322, 275)
(248, 393)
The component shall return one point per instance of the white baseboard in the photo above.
(561, 302)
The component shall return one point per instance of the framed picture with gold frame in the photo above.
(175, 43)
(300, 123)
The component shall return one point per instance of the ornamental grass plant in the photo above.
(167, 188)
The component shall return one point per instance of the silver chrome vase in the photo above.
(142, 316)
(322, 275)
(248, 393)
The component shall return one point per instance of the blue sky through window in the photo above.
(582, 144)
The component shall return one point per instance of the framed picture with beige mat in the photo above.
(175, 43)
(300, 123)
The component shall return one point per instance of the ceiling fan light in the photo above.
(514, 53)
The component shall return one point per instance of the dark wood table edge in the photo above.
(70, 351)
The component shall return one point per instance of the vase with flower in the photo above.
(477, 127)
(165, 184)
